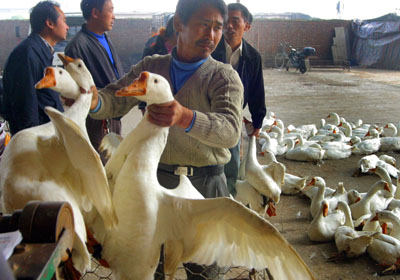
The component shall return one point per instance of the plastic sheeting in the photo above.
(377, 42)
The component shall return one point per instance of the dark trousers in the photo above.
(231, 169)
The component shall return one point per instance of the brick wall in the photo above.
(130, 35)
(9, 39)
(265, 36)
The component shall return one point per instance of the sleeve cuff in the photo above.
(191, 123)
(95, 110)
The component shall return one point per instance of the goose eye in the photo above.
(79, 65)
(155, 81)
(60, 72)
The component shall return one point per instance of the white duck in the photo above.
(292, 184)
(389, 130)
(312, 152)
(389, 144)
(371, 201)
(334, 118)
(320, 196)
(266, 179)
(56, 162)
(385, 250)
(354, 196)
(203, 231)
(313, 187)
(390, 217)
(306, 130)
(280, 148)
(364, 147)
(384, 175)
(324, 225)
(336, 150)
(349, 242)
(249, 196)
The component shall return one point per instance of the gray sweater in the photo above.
(214, 91)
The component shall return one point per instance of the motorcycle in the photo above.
(297, 58)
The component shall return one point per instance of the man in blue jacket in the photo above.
(24, 105)
(246, 60)
(95, 48)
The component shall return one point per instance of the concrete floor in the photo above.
(367, 94)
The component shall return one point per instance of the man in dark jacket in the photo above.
(246, 60)
(24, 105)
(93, 46)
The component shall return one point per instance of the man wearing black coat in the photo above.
(24, 105)
(246, 60)
(95, 48)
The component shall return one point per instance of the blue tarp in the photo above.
(377, 42)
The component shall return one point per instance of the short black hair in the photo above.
(186, 8)
(43, 11)
(88, 5)
(247, 16)
(170, 30)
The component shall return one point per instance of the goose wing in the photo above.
(224, 231)
(88, 164)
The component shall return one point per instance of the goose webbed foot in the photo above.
(68, 270)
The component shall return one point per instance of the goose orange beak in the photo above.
(136, 88)
(65, 59)
(49, 79)
(312, 182)
(325, 210)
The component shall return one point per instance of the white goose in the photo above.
(312, 152)
(349, 242)
(336, 150)
(56, 162)
(249, 196)
(334, 118)
(266, 179)
(313, 187)
(384, 175)
(292, 184)
(371, 201)
(364, 147)
(324, 225)
(385, 250)
(315, 206)
(202, 231)
(389, 130)
(390, 217)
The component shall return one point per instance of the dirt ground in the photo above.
(370, 95)
(367, 94)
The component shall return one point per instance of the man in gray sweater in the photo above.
(205, 117)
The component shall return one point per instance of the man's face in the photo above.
(200, 36)
(235, 27)
(60, 27)
(106, 17)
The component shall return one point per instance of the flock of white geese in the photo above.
(358, 223)
(124, 206)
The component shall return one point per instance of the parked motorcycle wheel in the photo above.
(302, 67)
(280, 60)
